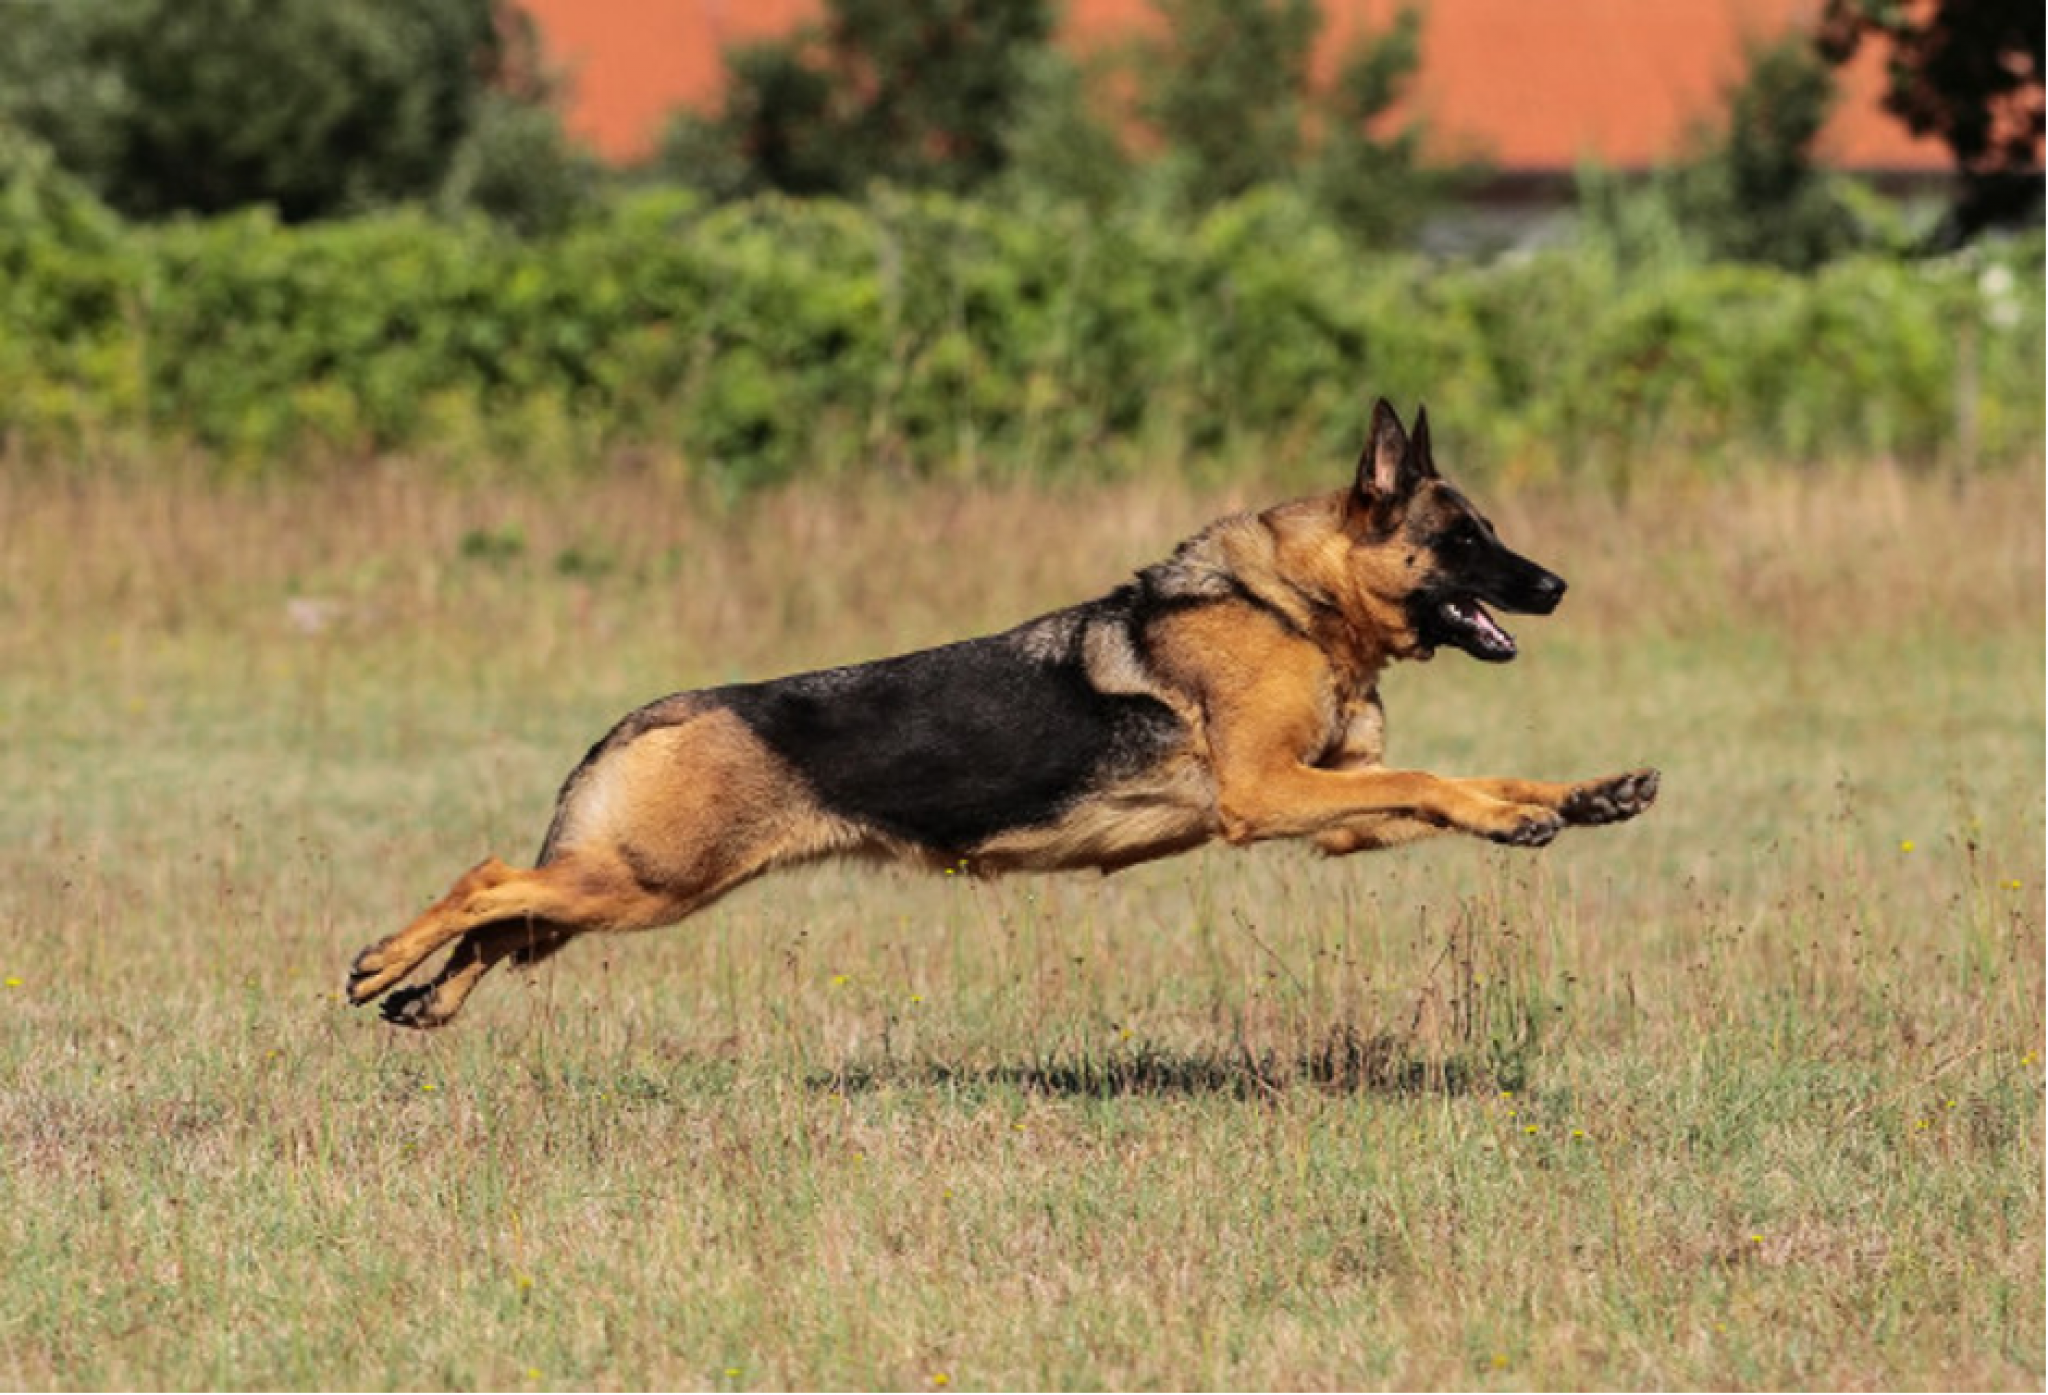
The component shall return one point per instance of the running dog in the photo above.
(1229, 692)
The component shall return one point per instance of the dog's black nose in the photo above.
(1549, 591)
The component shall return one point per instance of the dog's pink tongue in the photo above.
(1491, 631)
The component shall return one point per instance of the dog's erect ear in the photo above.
(1418, 445)
(1382, 463)
(1387, 472)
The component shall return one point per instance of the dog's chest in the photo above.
(1357, 731)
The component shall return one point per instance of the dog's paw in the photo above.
(1611, 800)
(366, 978)
(412, 1007)
(1527, 826)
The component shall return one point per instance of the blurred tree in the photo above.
(1969, 72)
(519, 167)
(316, 107)
(1372, 181)
(1228, 91)
(1066, 141)
(916, 92)
(1232, 94)
(1757, 193)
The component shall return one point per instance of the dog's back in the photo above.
(976, 754)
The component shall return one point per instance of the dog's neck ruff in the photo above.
(1240, 558)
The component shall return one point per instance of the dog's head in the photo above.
(1445, 562)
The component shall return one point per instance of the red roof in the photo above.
(1523, 84)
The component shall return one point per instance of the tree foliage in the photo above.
(1228, 90)
(1969, 72)
(313, 107)
(1233, 94)
(1751, 189)
(519, 167)
(922, 93)
(1758, 194)
(951, 94)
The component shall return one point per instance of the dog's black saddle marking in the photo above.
(949, 747)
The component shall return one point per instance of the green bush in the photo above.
(311, 107)
(770, 338)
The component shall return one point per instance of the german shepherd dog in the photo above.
(1230, 691)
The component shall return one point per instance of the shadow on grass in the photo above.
(1344, 1062)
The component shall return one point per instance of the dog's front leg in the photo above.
(1266, 714)
(1292, 800)
(1582, 804)
(1375, 833)
(1613, 799)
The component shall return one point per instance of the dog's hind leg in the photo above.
(395, 956)
(652, 827)
(476, 954)
(574, 893)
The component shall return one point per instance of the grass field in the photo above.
(1747, 1093)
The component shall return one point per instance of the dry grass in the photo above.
(1745, 1094)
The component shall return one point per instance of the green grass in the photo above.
(1746, 1093)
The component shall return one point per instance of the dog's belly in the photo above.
(1163, 810)
(977, 747)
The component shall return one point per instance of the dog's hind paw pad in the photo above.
(411, 1007)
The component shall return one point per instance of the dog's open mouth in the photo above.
(1467, 625)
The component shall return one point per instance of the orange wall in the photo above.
(1524, 84)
